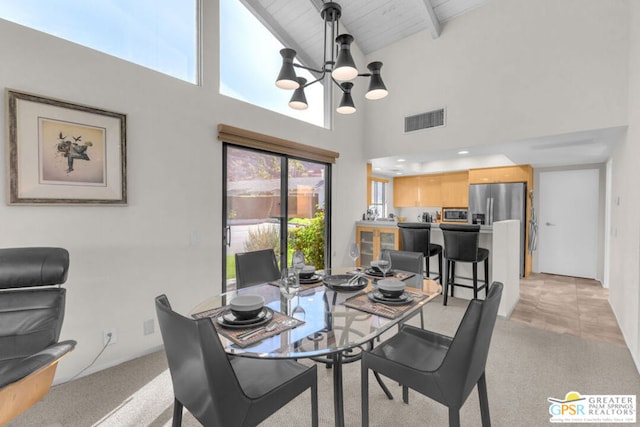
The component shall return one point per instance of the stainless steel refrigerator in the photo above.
(498, 202)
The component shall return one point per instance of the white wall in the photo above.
(624, 293)
(122, 257)
(509, 70)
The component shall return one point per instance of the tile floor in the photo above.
(567, 305)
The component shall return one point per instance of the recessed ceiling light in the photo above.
(463, 152)
(376, 169)
(401, 160)
(398, 173)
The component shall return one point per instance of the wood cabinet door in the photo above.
(500, 174)
(406, 191)
(365, 236)
(455, 189)
(430, 191)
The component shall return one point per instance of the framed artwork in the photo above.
(64, 153)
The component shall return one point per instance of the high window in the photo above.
(159, 34)
(250, 62)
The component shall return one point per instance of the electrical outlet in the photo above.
(109, 333)
(148, 327)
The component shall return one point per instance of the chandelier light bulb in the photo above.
(346, 103)
(345, 68)
(298, 99)
(287, 77)
(377, 89)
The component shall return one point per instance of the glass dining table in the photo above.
(330, 320)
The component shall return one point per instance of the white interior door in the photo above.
(568, 222)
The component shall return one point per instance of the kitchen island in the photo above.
(502, 239)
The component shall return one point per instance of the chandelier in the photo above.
(342, 68)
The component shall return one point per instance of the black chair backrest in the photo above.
(415, 236)
(201, 373)
(467, 356)
(31, 316)
(407, 261)
(461, 242)
(256, 267)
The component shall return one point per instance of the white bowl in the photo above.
(391, 287)
(307, 271)
(246, 306)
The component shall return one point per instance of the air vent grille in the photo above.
(427, 120)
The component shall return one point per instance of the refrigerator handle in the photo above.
(491, 212)
(488, 211)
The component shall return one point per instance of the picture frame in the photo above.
(60, 152)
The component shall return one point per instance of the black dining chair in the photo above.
(408, 261)
(416, 237)
(461, 244)
(32, 306)
(442, 368)
(223, 390)
(256, 267)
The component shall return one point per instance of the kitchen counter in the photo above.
(434, 225)
(502, 239)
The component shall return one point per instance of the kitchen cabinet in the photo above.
(406, 191)
(430, 193)
(455, 189)
(374, 239)
(520, 173)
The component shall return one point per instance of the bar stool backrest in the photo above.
(461, 242)
(415, 236)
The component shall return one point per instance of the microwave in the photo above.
(454, 215)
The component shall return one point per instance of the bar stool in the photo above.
(461, 245)
(416, 237)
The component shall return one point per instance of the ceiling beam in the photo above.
(434, 23)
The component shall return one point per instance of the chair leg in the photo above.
(427, 270)
(453, 276)
(475, 280)
(314, 404)
(454, 417)
(382, 385)
(364, 394)
(445, 282)
(405, 394)
(440, 267)
(484, 401)
(486, 277)
(177, 413)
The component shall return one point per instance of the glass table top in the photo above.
(328, 325)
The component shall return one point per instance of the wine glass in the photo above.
(384, 263)
(289, 287)
(354, 253)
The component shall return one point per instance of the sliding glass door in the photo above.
(273, 201)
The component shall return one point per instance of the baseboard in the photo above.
(98, 368)
(634, 357)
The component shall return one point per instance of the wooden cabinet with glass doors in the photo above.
(374, 239)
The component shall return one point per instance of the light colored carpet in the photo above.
(525, 367)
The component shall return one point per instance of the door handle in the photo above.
(228, 235)
(549, 224)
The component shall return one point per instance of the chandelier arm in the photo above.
(315, 81)
(310, 69)
(337, 84)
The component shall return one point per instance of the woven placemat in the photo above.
(363, 303)
(233, 334)
(397, 274)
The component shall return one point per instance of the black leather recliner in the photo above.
(31, 318)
